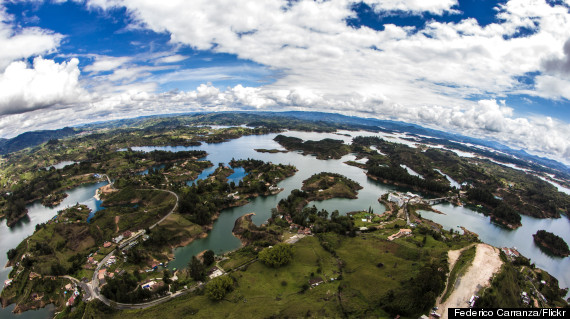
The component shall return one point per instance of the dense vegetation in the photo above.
(551, 242)
(398, 174)
(500, 211)
(217, 288)
(125, 289)
(518, 277)
(277, 255)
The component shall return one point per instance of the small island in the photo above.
(270, 151)
(551, 243)
(326, 185)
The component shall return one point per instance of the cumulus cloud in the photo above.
(46, 83)
(103, 63)
(24, 42)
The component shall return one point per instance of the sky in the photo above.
(498, 70)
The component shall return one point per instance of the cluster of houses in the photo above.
(511, 253)
(74, 294)
(400, 198)
(103, 274)
(128, 239)
(300, 229)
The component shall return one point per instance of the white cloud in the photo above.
(417, 6)
(45, 84)
(171, 59)
(552, 87)
(105, 63)
(21, 43)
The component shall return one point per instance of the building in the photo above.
(118, 239)
(70, 301)
(107, 244)
(401, 233)
(102, 273)
(394, 198)
(215, 272)
(149, 285)
(315, 281)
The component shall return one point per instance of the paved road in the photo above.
(171, 211)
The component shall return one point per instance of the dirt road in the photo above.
(478, 275)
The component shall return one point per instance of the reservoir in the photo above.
(220, 238)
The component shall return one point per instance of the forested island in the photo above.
(323, 149)
(552, 243)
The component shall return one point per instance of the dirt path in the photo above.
(478, 275)
(117, 218)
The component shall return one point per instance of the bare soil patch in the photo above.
(486, 263)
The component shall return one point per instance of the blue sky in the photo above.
(491, 69)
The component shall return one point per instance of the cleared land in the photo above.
(486, 263)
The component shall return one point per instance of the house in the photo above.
(149, 285)
(117, 239)
(315, 281)
(401, 233)
(215, 272)
(70, 301)
(102, 273)
(394, 198)
(68, 287)
(107, 244)
(127, 234)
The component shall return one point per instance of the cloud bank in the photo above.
(447, 75)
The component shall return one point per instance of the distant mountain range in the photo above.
(33, 138)
(518, 157)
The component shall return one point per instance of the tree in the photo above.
(209, 257)
(12, 253)
(197, 269)
(217, 288)
(166, 277)
(277, 255)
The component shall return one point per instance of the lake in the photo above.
(221, 240)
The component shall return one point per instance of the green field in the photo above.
(354, 285)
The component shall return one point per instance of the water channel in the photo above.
(220, 239)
